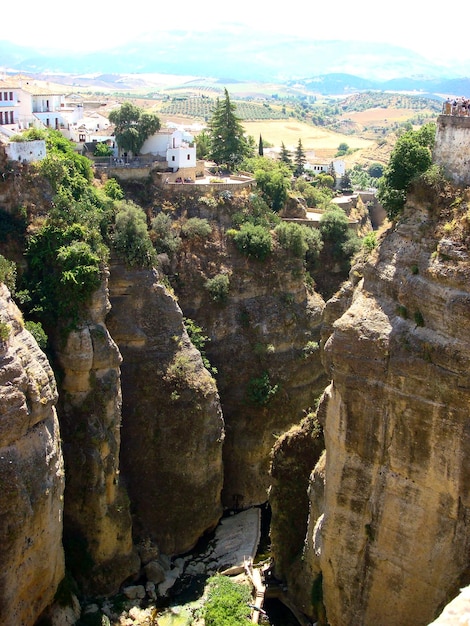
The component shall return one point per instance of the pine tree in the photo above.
(260, 146)
(228, 143)
(285, 156)
(299, 160)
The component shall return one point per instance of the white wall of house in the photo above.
(181, 157)
(176, 146)
(157, 144)
(26, 150)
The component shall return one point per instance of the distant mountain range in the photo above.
(326, 66)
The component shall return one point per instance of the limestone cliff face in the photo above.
(263, 341)
(395, 536)
(293, 456)
(173, 429)
(97, 533)
(31, 476)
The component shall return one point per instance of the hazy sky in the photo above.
(423, 27)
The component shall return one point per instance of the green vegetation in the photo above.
(299, 160)
(164, 237)
(196, 227)
(8, 273)
(133, 126)
(131, 239)
(5, 330)
(334, 228)
(37, 331)
(253, 241)
(272, 179)
(260, 390)
(410, 158)
(370, 241)
(202, 107)
(228, 144)
(227, 603)
(113, 189)
(32, 134)
(65, 255)
(218, 287)
(199, 341)
(102, 150)
(299, 239)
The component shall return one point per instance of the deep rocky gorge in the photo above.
(368, 492)
(388, 526)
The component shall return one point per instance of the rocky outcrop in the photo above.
(293, 456)
(97, 522)
(31, 474)
(264, 343)
(394, 533)
(172, 429)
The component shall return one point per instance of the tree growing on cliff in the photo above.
(410, 158)
(228, 144)
(133, 126)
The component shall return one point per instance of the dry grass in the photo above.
(321, 141)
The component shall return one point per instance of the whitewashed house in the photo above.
(25, 104)
(177, 147)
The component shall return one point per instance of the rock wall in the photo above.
(31, 475)
(452, 147)
(267, 329)
(97, 528)
(173, 430)
(394, 533)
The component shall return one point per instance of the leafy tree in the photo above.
(133, 126)
(345, 182)
(375, 170)
(410, 157)
(335, 232)
(228, 143)
(342, 149)
(299, 160)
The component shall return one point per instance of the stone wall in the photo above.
(452, 147)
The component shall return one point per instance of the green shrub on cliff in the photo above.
(253, 241)
(260, 390)
(165, 238)
(196, 227)
(218, 287)
(8, 273)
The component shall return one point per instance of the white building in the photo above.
(25, 104)
(175, 146)
(339, 167)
